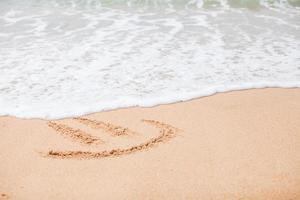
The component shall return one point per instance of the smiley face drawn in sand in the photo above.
(165, 134)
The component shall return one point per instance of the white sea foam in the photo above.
(68, 58)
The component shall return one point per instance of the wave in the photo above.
(167, 3)
(67, 58)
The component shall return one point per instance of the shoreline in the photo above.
(242, 144)
(212, 91)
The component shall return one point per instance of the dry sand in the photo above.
(237, 145)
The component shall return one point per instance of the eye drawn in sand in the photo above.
(112, 129)
(75, 134)
(165, 134)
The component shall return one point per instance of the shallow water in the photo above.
(66, 58)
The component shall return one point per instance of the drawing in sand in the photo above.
(166, 133)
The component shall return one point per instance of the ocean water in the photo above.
(63, 58)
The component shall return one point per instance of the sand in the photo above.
(236, 145)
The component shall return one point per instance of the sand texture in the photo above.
(236, 145)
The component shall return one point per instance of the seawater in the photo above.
(64, 58)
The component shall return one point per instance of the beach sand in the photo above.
(235, 145)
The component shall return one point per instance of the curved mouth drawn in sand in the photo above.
(76, 135)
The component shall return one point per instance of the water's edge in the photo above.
(209, 92)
